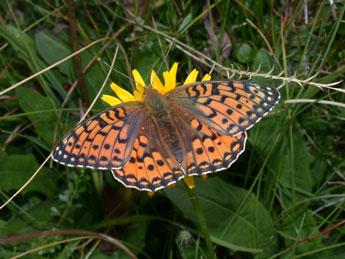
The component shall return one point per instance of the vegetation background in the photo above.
(284, 197)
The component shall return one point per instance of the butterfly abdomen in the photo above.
(160, 114)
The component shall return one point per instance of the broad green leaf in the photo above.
(35, 217)
(319, 168)
(31, 101)
(15, 170)
(185, 22)
(135, 235)
(296, 229)
(20, 41)
(233, 221)
(148, 60)
(243, 54)
(265, 62)
(53, 49)
(94, 79)
(295, 176)
(25, 47)
(263, 59)
(289, 160)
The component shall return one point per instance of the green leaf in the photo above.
(290, 160)
(18, 41)
(185, 22)
(243, 54)
(264, 59)
(31, 101)
(234, 217)
(53, 49)
(296, 229)
(94, 79)
(24, 46)
(15, 170)
(35, 216)
(265, 62)
(148, 56)
(295, 176)
(135, 235)
(319, 168)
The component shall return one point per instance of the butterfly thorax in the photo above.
(160, 113)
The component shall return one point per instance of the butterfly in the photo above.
(194, 129)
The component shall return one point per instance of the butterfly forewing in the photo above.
(229, 107)
(104, 141)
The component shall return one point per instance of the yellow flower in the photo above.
(169, 84)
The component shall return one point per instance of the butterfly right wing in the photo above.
(205, 150)
(228, 106)
(104, 141)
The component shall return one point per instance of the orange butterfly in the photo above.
(163, 133)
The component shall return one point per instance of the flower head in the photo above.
(169, 84)
(138, 94)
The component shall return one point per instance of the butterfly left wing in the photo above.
(227, 106)
(103, 141)
(151, 166)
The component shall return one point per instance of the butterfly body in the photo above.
(193, 129)
(160, 113)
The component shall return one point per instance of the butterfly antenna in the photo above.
(165, 58)
(122, 74)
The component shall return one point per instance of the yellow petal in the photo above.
(111, 100)
(206, 77)
(139, 81)
(138, 95)
(189, 181)
(124, 95)
(204, 176)
(150, 194)
(170, 78)
(172, 185)
(191, 78)
(156, 82)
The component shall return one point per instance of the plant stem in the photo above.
(202, 223)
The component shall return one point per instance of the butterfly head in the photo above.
(154, 101)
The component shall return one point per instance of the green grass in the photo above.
(277, 201)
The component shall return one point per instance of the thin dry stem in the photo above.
(45, 161)
(50, 67)
(49, 245)
(26, 183)
(200, 57)
(315, 101)
(85, 235)
(240, 73)
(103, 85)
(266, 41)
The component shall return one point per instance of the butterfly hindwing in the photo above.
(229, 107)
(205, 150)
(151, 165)
(103, 141)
